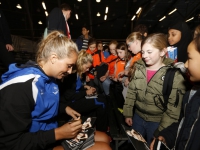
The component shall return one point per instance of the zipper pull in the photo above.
(177, 99)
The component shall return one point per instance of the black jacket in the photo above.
(22, 92)
(5, 36)
(68, 89)
(56, 21)
(189, 135)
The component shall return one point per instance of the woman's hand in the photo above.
(126, 82)
(129, 121)
(87, 87)
(9, 47)
(68, 130)
(126, 72)
(72, 112)
(87, 79)
(160, 138)
(120, 76)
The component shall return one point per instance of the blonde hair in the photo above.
(83, 58)
(157, 40)
(134, 36)
(113, 42)
(55, 42)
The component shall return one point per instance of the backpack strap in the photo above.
(167, 84)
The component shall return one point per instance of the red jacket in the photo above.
(111, 63)
(119, 67)
(135, 58)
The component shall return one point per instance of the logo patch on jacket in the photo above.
(163, 78)
(55, 90)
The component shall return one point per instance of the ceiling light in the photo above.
(46, 13)
(76, 16)
(105, 17)
(39, 22)
(162, 18)
(98, 14)
(139, 9)
(133, 17)
(0, 3)
(79, 0)
(98, 1)
(106, 10)
(43, 4)
(19, 6)
(189, 19)
(172, 11)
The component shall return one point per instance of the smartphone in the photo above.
(159, 145)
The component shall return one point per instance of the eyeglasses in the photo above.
(129, 44)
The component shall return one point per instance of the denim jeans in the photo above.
(106, 85)
(145, 128)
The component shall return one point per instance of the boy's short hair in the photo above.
(92, 41)
(85, 26)
(99, 42)
(65, 7)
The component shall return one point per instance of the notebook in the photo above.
(84, 139)
(135, 138)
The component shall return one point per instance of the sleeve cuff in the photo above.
(156, 133)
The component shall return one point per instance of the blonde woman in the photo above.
(30, 98)
(75, 90)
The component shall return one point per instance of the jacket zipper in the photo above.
(192, 129)
(179, 129)
(156, 72)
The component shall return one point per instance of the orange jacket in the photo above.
(111, 63)
(135, 58)
(119, 67)
(96, 60)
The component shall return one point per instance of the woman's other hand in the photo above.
(129, 121)
(74, 114)
(160, 138)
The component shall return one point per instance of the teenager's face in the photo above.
(134, 46)
(152, 56)
(193, 63)
(100, 46)
(86, 67)
(174, 36)
(92, 47)
(62, 67)
(121, 53)
(67, 14)
(85, 31)
(112, 48)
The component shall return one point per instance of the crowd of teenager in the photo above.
(74, 78)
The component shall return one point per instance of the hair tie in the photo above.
(61, 35)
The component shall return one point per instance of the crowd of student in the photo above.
(74, 79)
